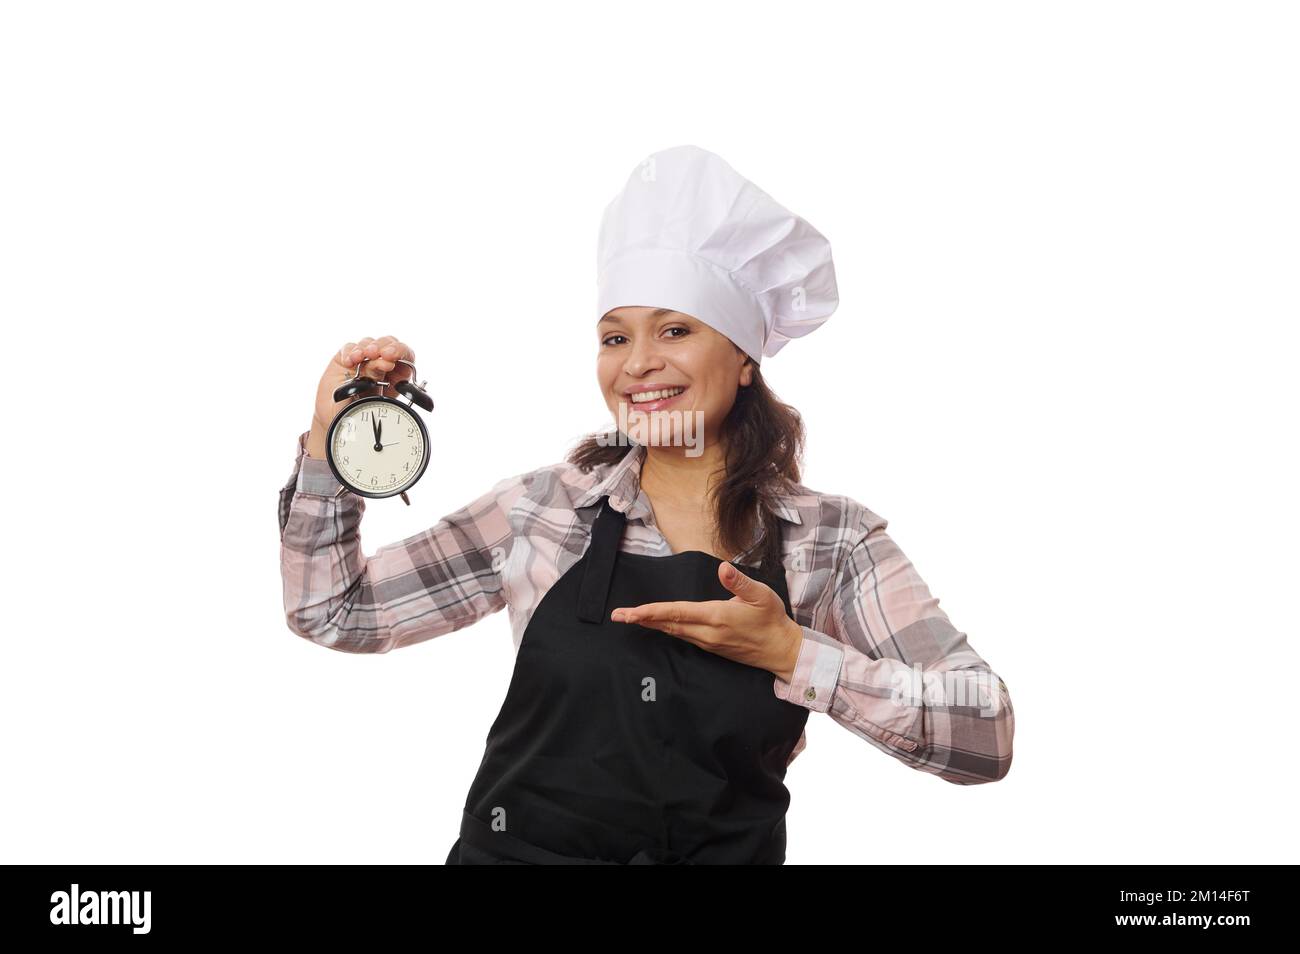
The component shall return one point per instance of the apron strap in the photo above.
(601, 553)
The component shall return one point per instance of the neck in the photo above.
(669, 475)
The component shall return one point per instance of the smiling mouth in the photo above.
(657, 399)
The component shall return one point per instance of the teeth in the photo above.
(655, 395)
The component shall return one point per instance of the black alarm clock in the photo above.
(377, 446)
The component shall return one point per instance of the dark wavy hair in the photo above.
(764, 438)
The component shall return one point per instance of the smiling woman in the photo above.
(677, 616)
(752, 441)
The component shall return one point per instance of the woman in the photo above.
(680, 602)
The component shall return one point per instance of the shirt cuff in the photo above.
(314, 475)
(816, 672)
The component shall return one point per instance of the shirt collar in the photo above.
(623, 484)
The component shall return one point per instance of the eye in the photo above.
(682, 329)
(605, 343)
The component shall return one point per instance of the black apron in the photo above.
(622, 744)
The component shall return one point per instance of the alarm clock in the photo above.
(377, 446)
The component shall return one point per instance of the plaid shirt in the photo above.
(878, 656)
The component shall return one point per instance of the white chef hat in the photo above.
(690, 233)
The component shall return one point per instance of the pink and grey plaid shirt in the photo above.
(878, 656)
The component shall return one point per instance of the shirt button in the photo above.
(811, 694)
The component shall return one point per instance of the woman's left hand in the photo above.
(751, 628)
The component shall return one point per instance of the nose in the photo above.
(643, 356)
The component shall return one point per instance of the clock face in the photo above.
(377, 447)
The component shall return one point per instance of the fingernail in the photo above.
(617, 616)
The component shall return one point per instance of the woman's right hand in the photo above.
(383, 354)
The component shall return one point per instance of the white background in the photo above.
(1062, 368)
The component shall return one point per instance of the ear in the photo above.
(747, 372)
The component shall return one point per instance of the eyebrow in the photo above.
(654, 314)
